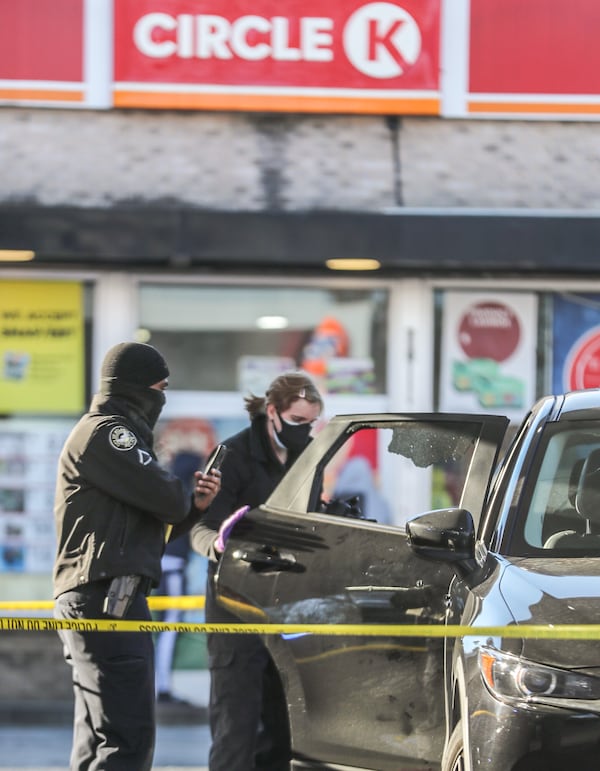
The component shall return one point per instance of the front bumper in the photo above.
(505, 737)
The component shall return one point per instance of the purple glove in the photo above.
(227, 526)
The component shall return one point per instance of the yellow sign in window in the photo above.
(41, 347)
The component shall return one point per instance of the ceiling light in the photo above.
(272, 322)
(349, 263)
(142, 335)
(16, 255)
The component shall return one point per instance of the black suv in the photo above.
(510, 543)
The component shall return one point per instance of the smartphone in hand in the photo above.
(215, 459)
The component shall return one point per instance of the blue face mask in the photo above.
(293, 436)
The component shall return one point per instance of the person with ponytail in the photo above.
(247, 711)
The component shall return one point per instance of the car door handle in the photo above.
(266, 557)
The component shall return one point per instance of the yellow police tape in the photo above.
(557, 632)
(155, 602)
(195, 602)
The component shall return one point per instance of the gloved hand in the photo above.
(227, 526)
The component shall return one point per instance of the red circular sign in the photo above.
(582, 368)
(489, 330)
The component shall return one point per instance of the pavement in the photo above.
(37, 736)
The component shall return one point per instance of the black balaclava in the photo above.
(128, 371)
(136, 363)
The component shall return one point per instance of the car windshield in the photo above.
(558, 512)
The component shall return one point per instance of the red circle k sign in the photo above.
(265, 43)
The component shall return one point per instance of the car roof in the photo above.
(573, 405)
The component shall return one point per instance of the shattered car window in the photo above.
(428, 445)
(376, 474)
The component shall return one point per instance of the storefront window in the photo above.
(44, 387)
(219, 338)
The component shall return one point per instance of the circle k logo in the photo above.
(382, 40)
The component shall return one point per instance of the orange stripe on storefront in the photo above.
(535, 108)
(279, 103)
(40, 95)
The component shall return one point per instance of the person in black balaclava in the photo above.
(247, 710)
(113, 507)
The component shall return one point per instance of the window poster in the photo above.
(29, 451)
(576, 342)
(488, 358)
(41, 348)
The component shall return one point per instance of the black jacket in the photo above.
(113, 499)
(250, 473)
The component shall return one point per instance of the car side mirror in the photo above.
(447, 535)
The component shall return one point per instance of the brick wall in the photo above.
(289, 162)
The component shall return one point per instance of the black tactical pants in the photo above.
(247, 709)
(113, 684)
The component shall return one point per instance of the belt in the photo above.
(145, 585)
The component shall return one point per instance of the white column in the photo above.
(410, 387)
(98, 52)
(455, 38)
(115, 316)
(410, 347)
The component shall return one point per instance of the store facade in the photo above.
(200, 218)
(394, 345)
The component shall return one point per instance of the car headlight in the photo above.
(515, 679)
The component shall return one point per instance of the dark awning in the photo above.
(406, 241)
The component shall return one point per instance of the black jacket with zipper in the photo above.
(249, 474)
(113, 499)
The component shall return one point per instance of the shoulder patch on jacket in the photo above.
(121, 438)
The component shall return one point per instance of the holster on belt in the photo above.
(120, 594)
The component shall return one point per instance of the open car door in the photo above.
(306, 556)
